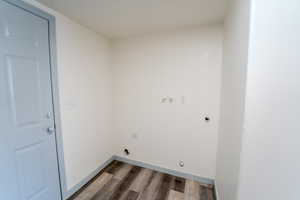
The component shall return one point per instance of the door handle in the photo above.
(50, 130)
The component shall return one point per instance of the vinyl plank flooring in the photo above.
(174, 195)
(106, 192)
(210, 194)
(113, 167)
(122, 181)
(141, 180)
(203, 193)
(191, 191)
(131, 195)
(147, 185)
(164, 188)
(179, 184)
(122, 189)
(152, 188)
(93, 188)
(123, 171)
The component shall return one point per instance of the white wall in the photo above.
(85, 97)
(236, 34)
(270, 154)
(186, 66)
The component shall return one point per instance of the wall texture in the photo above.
(185, 66)
(85, 97)
(270, 154)
(235, 59)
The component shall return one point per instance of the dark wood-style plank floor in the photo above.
(121, 181)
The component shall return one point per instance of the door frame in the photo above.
(54, 84)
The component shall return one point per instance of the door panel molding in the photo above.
(54, 85)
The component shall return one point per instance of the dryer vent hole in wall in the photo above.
(126, 152)
(207, 119)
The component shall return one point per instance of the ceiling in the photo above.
(123, 18)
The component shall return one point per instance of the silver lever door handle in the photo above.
(50, 130)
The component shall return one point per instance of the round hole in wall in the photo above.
(126, 152)
(181, 163)
(207, 119)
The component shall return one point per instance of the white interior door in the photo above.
(29, 168)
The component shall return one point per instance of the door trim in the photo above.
(54, 84)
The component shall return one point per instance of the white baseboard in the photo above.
(165, 170)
